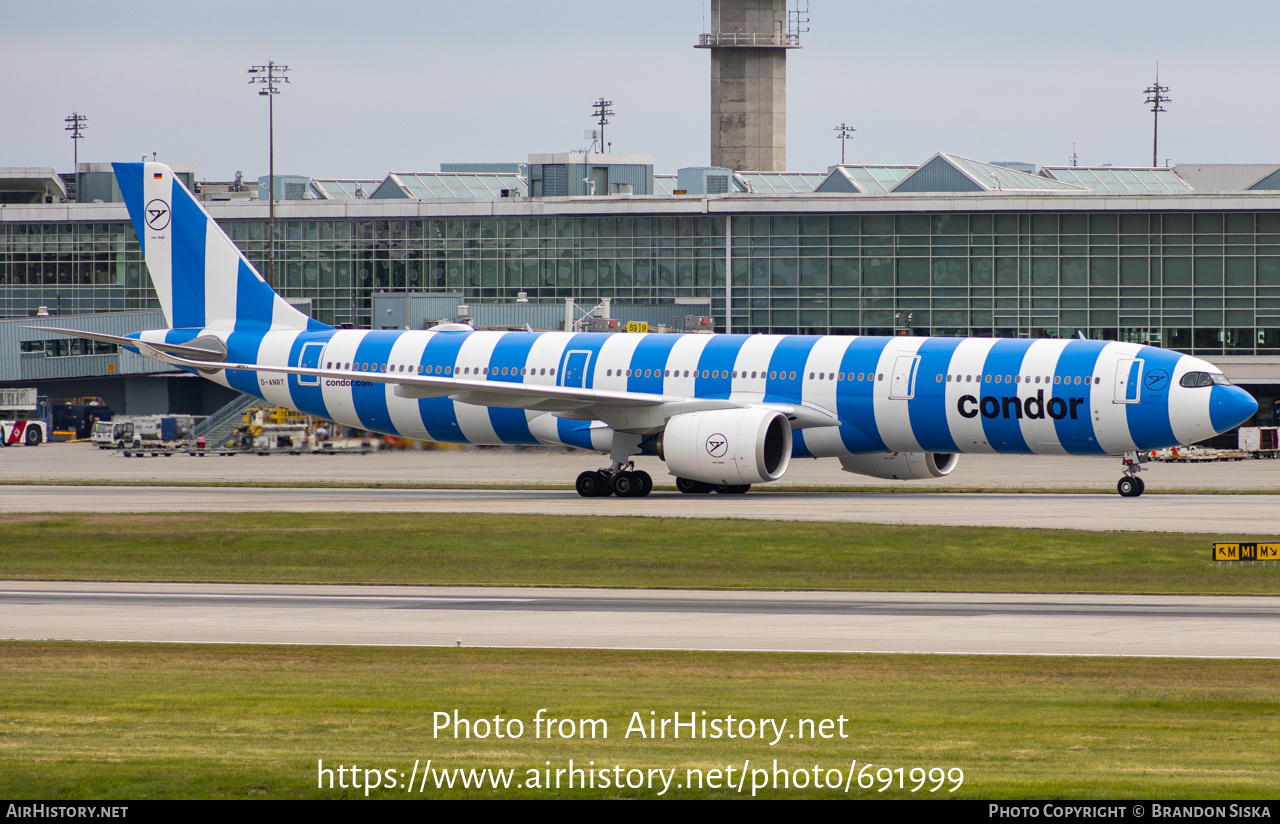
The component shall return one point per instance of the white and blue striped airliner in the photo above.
(723, 411)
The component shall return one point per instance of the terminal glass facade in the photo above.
(1201, 282)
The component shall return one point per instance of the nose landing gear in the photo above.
(1131, 486)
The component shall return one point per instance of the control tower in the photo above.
(748, 42)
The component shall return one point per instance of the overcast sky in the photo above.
(402, 86)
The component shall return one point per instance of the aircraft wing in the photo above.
(570, 401)
(621, 410)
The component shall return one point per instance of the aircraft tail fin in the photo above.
(201, 277)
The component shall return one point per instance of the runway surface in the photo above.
(1226, 516)
(84, 462)
(1123, 625)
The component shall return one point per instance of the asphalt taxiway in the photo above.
(1220, 515)
(500, 617)
(82, 462)
(941, 623)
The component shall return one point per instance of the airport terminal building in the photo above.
(1186, 258)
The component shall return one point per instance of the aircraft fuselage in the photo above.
(896, 394)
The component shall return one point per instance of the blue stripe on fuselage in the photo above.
(799, 449)
(1078, 359)
(855, 399)
(181, 335)
(307, 398)
(1149, 423)
(511, 353)
(790, 355)
(591, 342)
(1004, 359)
(370, 399)
(243, 347)
(718, 356)
(574, 433)
(439, 416)
(652, 353)
(928, 409)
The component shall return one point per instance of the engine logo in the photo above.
(717, 445)
(157, 214)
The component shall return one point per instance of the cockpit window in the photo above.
(1204, 379)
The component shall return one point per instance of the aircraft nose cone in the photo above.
(1230, 406)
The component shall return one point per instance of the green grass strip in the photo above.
(108, 721)
(532, 550)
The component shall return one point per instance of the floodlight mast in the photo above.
(600, 110)
(1156, 96)
(270, 75)
(844, 133)
(76, 124)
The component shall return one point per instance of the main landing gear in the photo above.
(1131, 486)
(625, 482)
(621, 477)
(692, 487)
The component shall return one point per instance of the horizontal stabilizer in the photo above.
(205, 348)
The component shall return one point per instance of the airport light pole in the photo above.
(601, 110)
(844, 133)
(1156, 95)
(76, 124)
(269, 76)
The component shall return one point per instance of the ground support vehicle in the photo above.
(74, 418)
(1260, 441)
(25, 418)
(1197, 454)
(136, 430)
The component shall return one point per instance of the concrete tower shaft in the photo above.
(748, 42)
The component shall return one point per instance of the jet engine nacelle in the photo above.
(901, 466)
(727, 446)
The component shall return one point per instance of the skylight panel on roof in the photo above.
(1149, 177)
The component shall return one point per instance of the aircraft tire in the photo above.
(733, 489)
(625, 484)
(691, 487)
(588, 484)
(646, 484)
(1130, 487)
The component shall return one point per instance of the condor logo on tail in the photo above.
(1014, 407)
